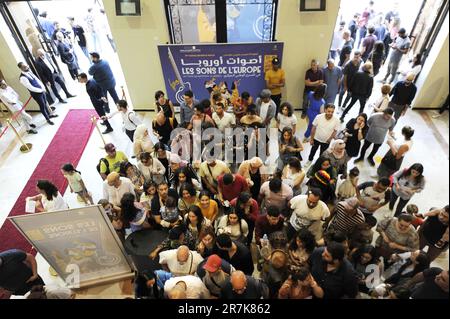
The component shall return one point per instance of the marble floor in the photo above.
(430, 148)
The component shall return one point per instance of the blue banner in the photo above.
(241, 67)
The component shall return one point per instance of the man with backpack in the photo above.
(111, 162)
(129, 117)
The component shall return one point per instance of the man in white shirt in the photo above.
(338, 41)
(186, 287)
(10, 99)
(223, 119)
(115, 186)
(307, 210)
(325, 127)
(181, 261)
(129, 117)
(266, 107)
(37, 90)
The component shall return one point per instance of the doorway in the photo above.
(85, 28)
(420, 18)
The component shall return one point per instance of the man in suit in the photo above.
(36, 89)
(103, 75)
(98, 98)
(48, 74)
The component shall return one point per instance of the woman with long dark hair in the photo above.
(207, 242)
(133, 212)
(290, 146)
(195, 222)
(377, 57)
(406, 183)
(355, 131)
(361, 258)
(393, 159)
(163, 155)
(183, 175)
(187, 198)
(234, 225)
(248, 208)
(49, 198)
(300, 249)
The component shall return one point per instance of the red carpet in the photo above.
(66, 147)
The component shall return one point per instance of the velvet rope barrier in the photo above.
(15, 116)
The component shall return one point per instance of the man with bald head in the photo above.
(185, 287)
(49, 75)
(115, 186)
(242, 286)
(181, 261)
(403, 94)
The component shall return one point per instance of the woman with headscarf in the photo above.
(142, 141)
(346, 216)
(338, 157)
(253, 170)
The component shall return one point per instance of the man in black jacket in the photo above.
(49, 75)
(98, 98)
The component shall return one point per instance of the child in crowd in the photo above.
(413, 210)
(347, 188)
(382, 103)
(76, 183)
(114, 216)
(170, 215)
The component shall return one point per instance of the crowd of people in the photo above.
(251, 228)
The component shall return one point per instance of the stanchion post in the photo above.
(26, 147)
(94, 120)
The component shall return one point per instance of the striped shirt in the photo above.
(343, 221)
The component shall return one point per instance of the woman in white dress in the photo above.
(49, 198)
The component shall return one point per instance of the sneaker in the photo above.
(267, 162)
(50, 122)
(32, 126)
(32, 132)
(70, 95)
(53, 115)
(62, 101)
(108, 130)
(359, 159)
(341, 119)
(102, 123)
(371, 161)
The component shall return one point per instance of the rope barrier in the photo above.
(15, 116)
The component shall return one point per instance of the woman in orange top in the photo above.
(209, 207)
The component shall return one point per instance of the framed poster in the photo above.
(235, 67)
(80, 244)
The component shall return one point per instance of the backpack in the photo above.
(105, 161)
